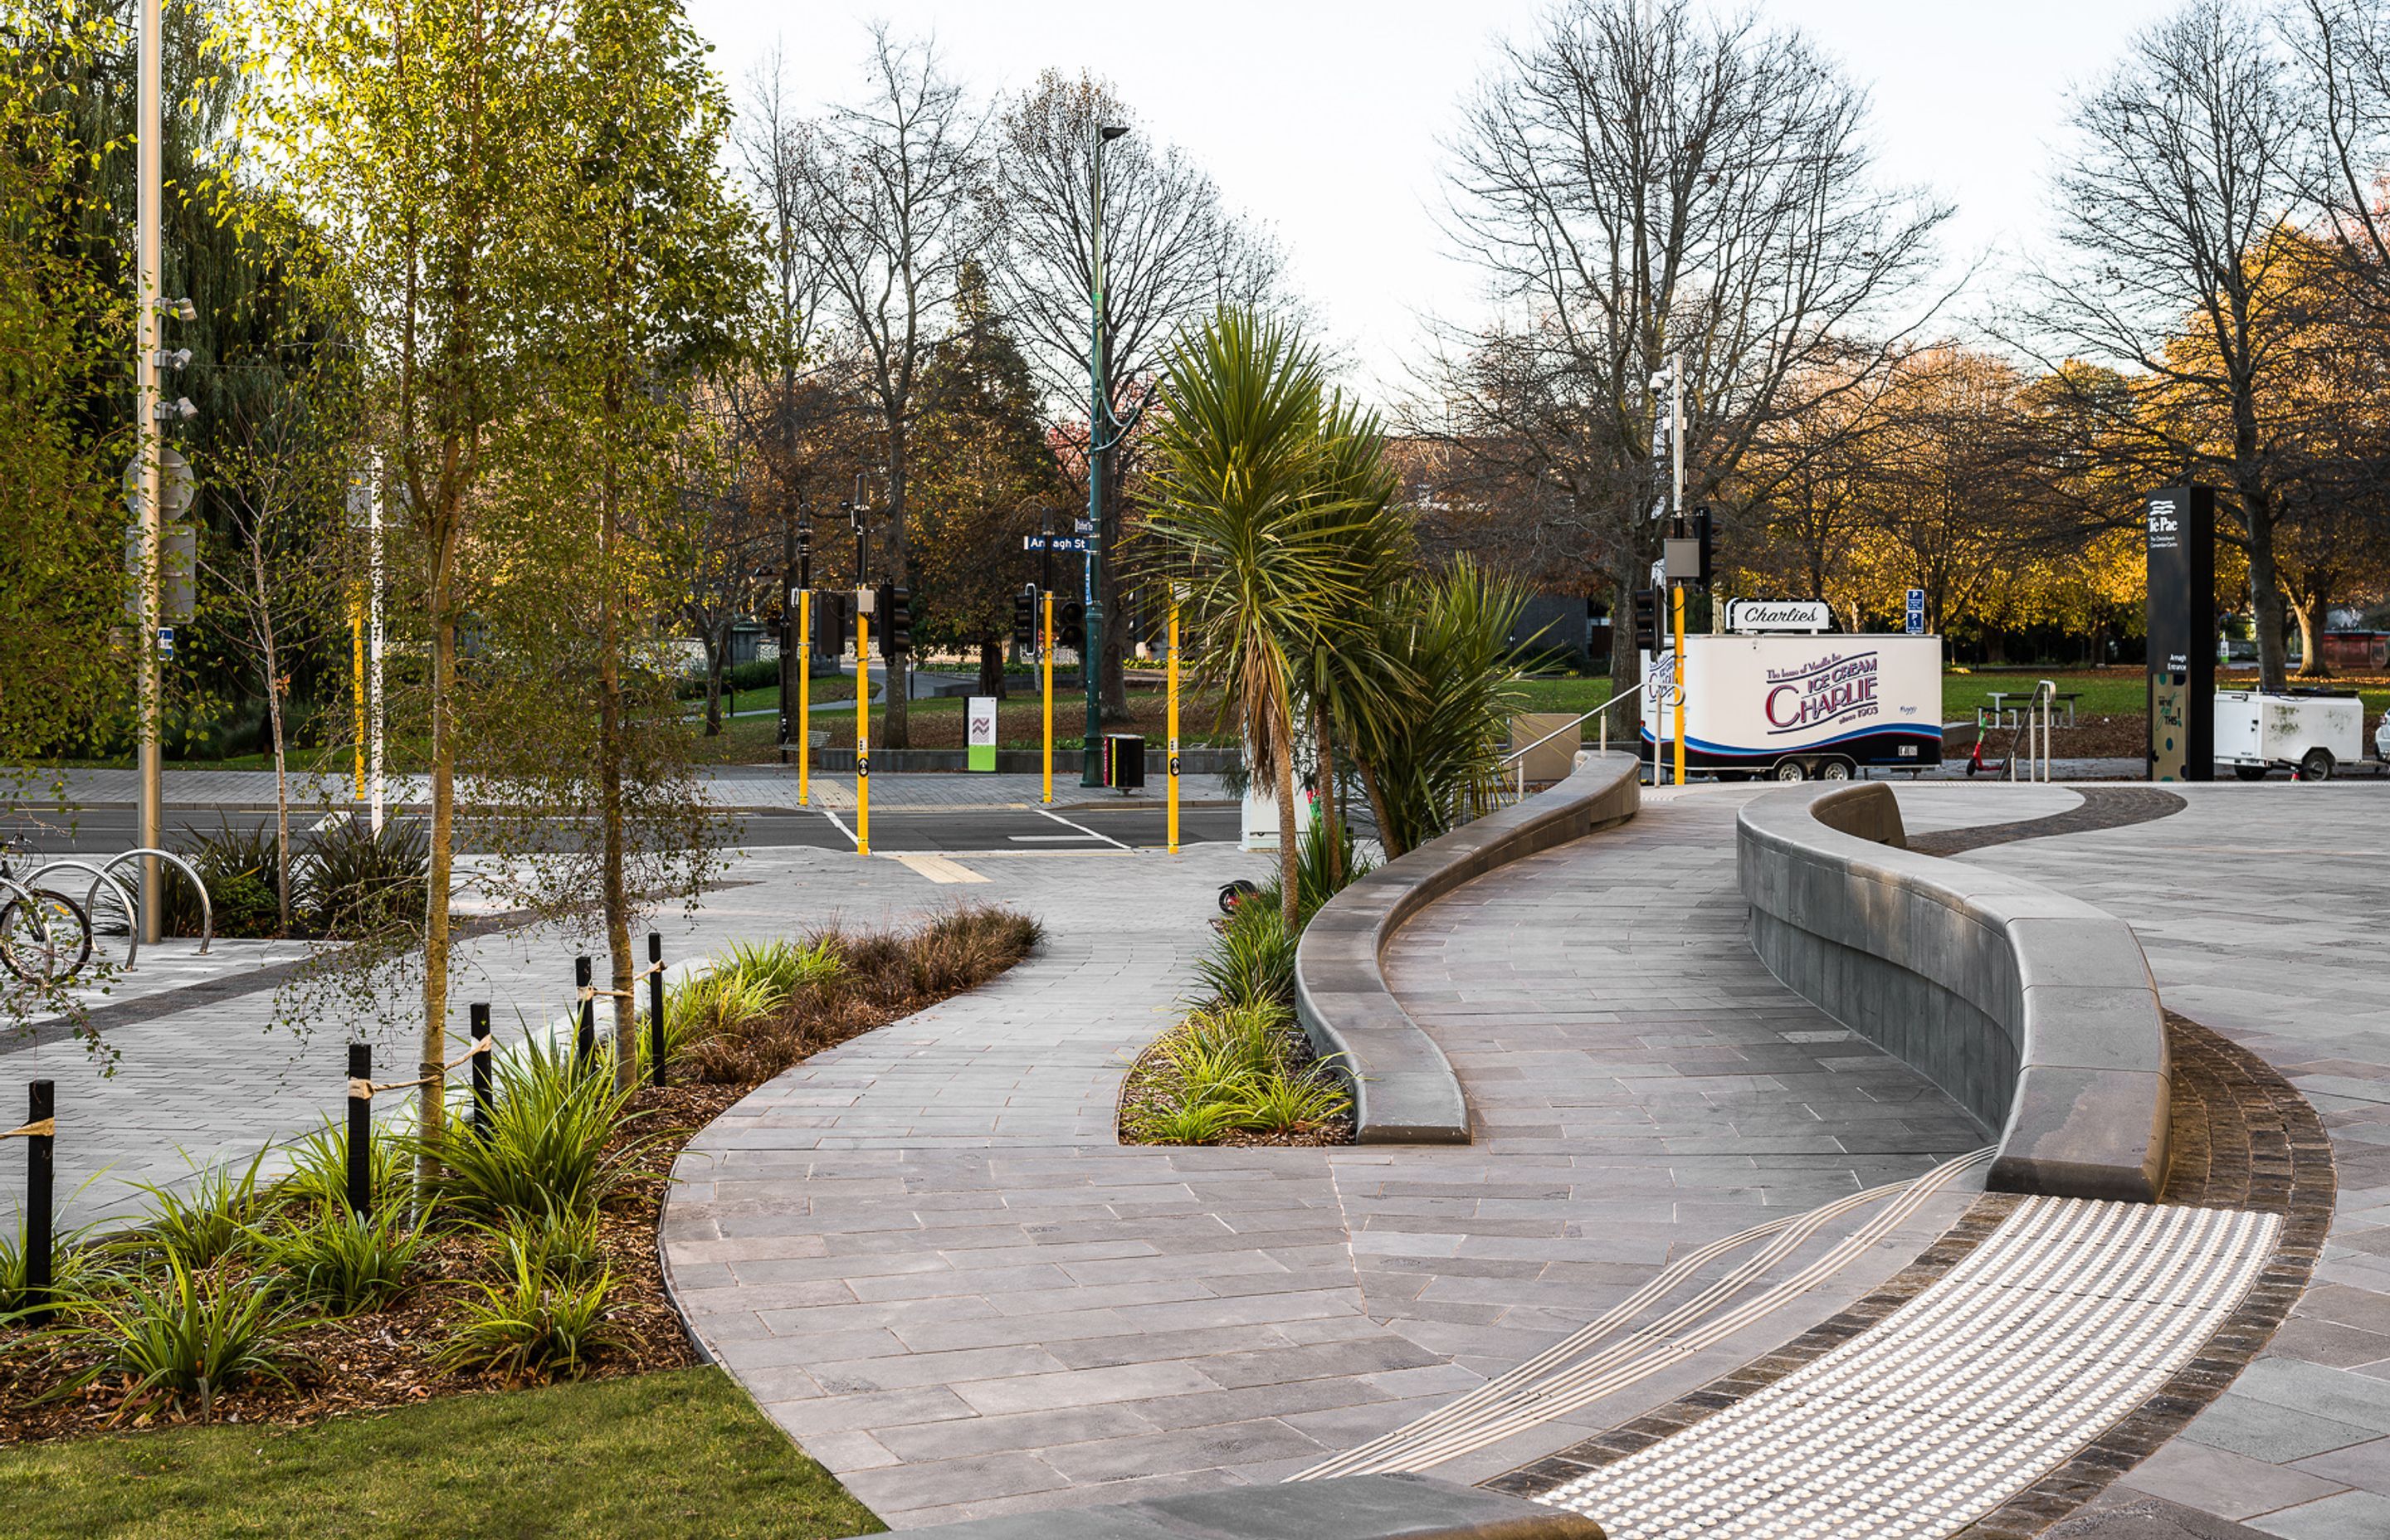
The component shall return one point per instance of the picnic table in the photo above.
(2009, 708)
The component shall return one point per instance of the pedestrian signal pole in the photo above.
(1174, 721)
(804, 697)
(863, 722)
(1046, 597)
(1677, 604)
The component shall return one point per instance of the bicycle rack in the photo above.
(207, 910)
(99, 875)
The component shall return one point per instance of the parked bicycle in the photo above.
(44, 934)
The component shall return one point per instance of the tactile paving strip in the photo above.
(2063, 1320)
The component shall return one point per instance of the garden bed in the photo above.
(570, 1259)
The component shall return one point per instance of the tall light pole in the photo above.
(1099, 421)
(149, 134)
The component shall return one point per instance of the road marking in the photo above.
(2064, 1319)
(841, 828)
(1054, 838)
(937, 868)
(1067, 823)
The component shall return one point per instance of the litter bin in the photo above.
(1124, 760)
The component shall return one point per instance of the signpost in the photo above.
(863, 720)
(1046, 652)
(1917, 611)
(2181, 536)
(981, 738)
(804, 697)
(1760, 616)
(1174, 721)
(1078, 543)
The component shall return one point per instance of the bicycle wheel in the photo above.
(46, 941)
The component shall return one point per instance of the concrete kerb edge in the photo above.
(1404, 1089)
(2071, 1131)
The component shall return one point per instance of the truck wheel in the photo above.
(2250, 772)
(1792, 770)
(2317, 766)
(1835, 770)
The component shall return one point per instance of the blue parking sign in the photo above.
(1917, 611)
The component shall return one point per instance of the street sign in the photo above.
(175, 483)
(1054, 543)
(165, 641)
(1772, 615)
(1917, 611)
(982, 736)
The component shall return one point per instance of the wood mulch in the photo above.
(390, 1359)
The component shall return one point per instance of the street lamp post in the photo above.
(148, 199)
(1099, 420)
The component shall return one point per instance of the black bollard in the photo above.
(361, 1131)
(481, 1072)
(584, 1041)
(41, 1174)
(656, 1009)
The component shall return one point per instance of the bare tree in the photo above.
(892, 192)
(2191, 156)
(1639, 180)
(1174, 253)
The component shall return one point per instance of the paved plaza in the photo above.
(928, 1258)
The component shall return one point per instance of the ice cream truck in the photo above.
(1790, 707)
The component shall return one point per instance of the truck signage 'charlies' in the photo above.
(1837, 688)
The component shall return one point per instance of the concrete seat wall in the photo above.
(1404, 1089)
(2034, 1011)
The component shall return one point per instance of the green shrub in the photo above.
(533, 1323)
(546, 1148)
(1175, 1123)
(1251, 961)
(1293, 1104)
(358, 883)
(237, 862)
(210, 1221)
(319, 1172)
(968, 946)
(69, 1265)
(341, 1261)
(771, 972)
(178, 1331)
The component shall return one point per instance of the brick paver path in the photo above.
(928, 1258)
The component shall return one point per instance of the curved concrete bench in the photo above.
(1404, 1090)
(2034, 1011)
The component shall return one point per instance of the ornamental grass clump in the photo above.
(1232, 1069)
(209, 1219)
(176, 1333)
(341, 1263)
(548, 1144)
(535, 1323)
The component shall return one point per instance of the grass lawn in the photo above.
(665, 1456)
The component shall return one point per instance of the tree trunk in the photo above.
(273, 723)
(1289, 882)
(2265, 587)
(1331, 818)
(991, 665)
(614, 891)
(1387, 840)
(716, 652)
(1626, 670)
(430, 1111)
(2310, 618)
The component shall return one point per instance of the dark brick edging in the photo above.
(2243, 1137)
(2102, 807)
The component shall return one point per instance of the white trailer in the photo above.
(2314, 732)
(1793, 708)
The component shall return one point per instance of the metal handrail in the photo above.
(207, 910)
(1577, 721)
(132, 911)
(2044, 701)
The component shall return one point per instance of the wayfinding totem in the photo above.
(2182, 633)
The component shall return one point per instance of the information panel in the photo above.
(2182, 633)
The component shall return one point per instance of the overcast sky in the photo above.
(1321, 118)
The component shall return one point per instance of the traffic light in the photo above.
(894, 617)
(1647, 620)
(1702, 532)
(1025, 620)
(1071, 622)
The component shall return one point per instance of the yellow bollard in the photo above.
(1173, 728)
(1049, 697)
(863, 731)
(804, 697)
(1676, 596)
